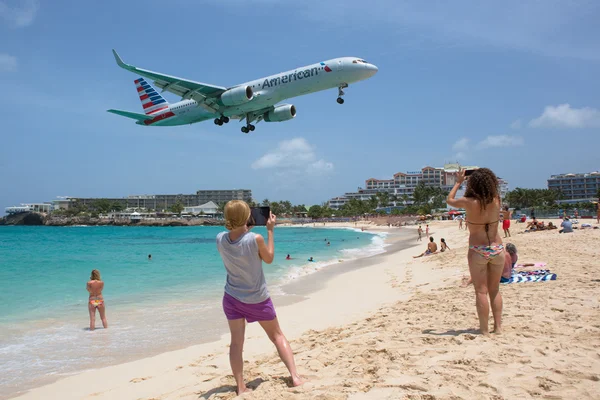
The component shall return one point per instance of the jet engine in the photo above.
(237, 96)
(280, 113)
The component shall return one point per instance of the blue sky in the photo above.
(510, 85)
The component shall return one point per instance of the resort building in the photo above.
(223, 196)
(161, 202)
(575, 188)
(402, 185)
(209, 208)
(32, 207)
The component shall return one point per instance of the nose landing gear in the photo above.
(341, 93)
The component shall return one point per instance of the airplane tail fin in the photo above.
(151, 100)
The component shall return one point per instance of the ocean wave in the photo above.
(377, 246)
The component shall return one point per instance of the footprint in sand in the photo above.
(138, 380)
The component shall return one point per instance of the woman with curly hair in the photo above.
(486, 251)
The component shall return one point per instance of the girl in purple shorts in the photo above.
(246, 297)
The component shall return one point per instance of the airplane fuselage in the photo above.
(272, 89)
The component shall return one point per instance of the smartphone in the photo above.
(259, 216)
(469, 172)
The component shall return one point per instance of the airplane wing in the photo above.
(206, 95)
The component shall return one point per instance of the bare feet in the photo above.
(497, 331)
(297, 380)
(242, 390)
(465, 281)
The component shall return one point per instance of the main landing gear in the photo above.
(248, 128)
(341, 93)
(222, 120)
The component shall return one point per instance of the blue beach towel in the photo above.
(539, 276)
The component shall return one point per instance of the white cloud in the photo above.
(500, 141)
(516, 124)
(460, 156)
(294, 156)
(19, 15)
(563, 116)
(8, 63)
(461, 144)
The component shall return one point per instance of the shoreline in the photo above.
(297, 293)
(281, 294)
(399, 328)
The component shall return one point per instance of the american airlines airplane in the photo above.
(253, 101)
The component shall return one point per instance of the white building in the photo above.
(403, 184)
(32, 207)
(209, 208)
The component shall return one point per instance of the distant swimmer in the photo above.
(311, 260)
(96, 300)
(288, 257)
(328, 244)
(149, 256)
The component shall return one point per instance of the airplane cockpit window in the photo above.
(359, 62)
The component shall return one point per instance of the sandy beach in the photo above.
(394, 327)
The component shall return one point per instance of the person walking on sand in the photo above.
(420, 232)
(246, 297)
(427, 231)
(460, 222)
(506, 214)
(96, 300)
(486, 251)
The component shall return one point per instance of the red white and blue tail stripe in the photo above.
(151, 100)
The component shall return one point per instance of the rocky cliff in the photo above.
(49, 220)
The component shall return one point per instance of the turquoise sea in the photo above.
(169, 302)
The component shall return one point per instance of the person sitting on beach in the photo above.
(510, 260)
(443, 245)
(246, 296)
(567, 226)
(486, 251)
(551, 226)
(532, 224)
(96, 300)
(431, 248)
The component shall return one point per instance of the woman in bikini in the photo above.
(96, 301)
(246, 298)
(486, 252)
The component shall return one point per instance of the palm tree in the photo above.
(266, 203)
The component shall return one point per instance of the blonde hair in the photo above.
(95, 275)
(237, 213)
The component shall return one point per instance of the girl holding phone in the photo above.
(246, 297)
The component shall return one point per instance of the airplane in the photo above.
(252, 101)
